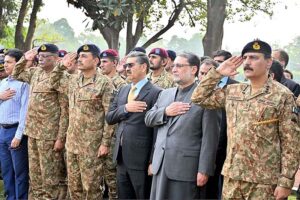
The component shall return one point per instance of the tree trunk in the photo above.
(32, 24)
(111, 37)
(216, 14)
(19, 38)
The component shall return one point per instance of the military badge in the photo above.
(85, 47)
(43, 47)
(256, 46)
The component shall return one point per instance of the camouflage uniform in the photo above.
(88, 103)
(263, 132)
(47, 121)
(110, 167)
(164, 80)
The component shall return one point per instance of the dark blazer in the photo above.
(292, 85)
(187, 143)
(137, 138)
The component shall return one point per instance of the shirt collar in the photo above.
(141, 83)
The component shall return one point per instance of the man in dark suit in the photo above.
(283, 57)
(187, 137)
(134, 140)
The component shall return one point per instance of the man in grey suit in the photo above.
(187, 138)
(134, 141)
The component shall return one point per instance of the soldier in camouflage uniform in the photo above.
(158, 76)
(88, 136)
(3, 74)
(262, 126)
(109, 61)
(46, 124)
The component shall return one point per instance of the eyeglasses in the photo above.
(180, 65)
(219, 61)
(128, 65)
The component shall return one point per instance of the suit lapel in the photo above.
(187, 99)
(126, 92)
(144, 91)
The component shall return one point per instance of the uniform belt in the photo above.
(7, 126)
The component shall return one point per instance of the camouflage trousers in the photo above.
(235, 189)
(84, 177)
(110, 172)
(47, 171)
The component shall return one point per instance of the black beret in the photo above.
(89, 48)
(52, 48)
(258, 46)
(171, 54)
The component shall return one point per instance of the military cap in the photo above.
(89, 48)
(160, 52)
(1, 64)
(3, 50)
(140, 49)
(109, 53)
(171, 54)
(52, 48)
(62, 53)
(258, 46)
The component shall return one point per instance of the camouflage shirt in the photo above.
(118, 81)
(164, 80)
(47, 115)
(88, 103)
(263, 130)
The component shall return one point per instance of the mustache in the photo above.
(247, 67)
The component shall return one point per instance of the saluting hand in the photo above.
(68, 59)
(229, 66)
(7, 94)
(177, 108)
(31, 54)
(136, 106)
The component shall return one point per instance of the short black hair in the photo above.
(277, 70)
(224, 53)
(192, 59)
(289, 72)
(15, 53)
(284, 56)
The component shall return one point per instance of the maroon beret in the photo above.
(160, 52)
(109, 53)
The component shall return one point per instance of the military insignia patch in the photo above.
(43, 47)
(256, 46)
(157, 51)
(104, 54)
(85, 48)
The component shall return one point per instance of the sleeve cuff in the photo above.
(285, 182)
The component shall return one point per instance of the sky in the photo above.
(281, 29)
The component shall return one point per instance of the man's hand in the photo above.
(150, 170)
(281, 192)
(30, 55)
(136, 106)
(15, 143)
(69, 59)
(7, 94)
(103, 151)
(229, 66)
(177, 108)
(201, 179)
(59, 145)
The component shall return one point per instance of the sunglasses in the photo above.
(128, 65)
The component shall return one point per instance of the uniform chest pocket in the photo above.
(231, 112)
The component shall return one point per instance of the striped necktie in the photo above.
(131, 95)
